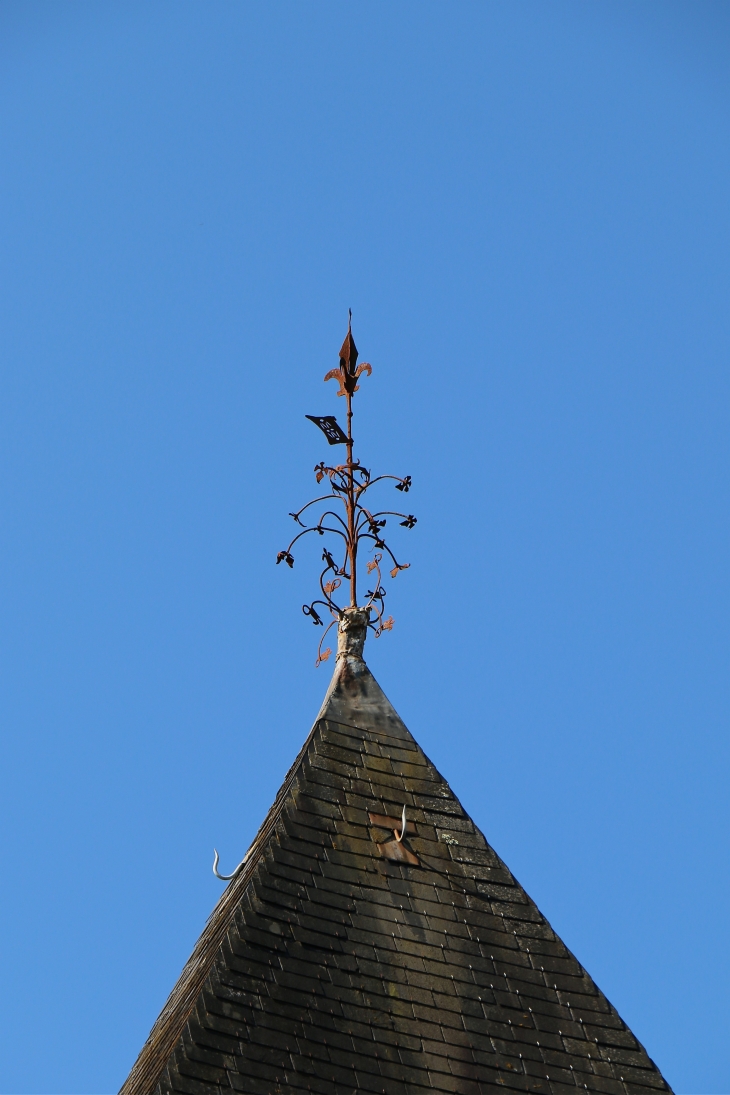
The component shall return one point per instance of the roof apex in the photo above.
(333, 961)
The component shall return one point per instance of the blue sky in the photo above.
(526, 207)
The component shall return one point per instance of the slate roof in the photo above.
(327, 967)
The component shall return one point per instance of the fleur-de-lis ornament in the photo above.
(348, 371)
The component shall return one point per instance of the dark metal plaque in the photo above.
(329, 427)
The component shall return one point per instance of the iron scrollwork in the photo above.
(346, 515)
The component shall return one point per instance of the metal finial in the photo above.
(345, 515)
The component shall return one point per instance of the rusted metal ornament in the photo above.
(345, 516)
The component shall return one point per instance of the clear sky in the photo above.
(526, 206)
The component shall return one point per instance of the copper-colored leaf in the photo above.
(387, 625)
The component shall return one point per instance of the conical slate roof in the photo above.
(342, 959)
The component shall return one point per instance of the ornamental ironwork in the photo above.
(348, 515)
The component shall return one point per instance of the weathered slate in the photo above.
(326, 968)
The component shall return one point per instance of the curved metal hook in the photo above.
(227, 877)
(403, 824)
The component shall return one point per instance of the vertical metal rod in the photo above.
(352, 546)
